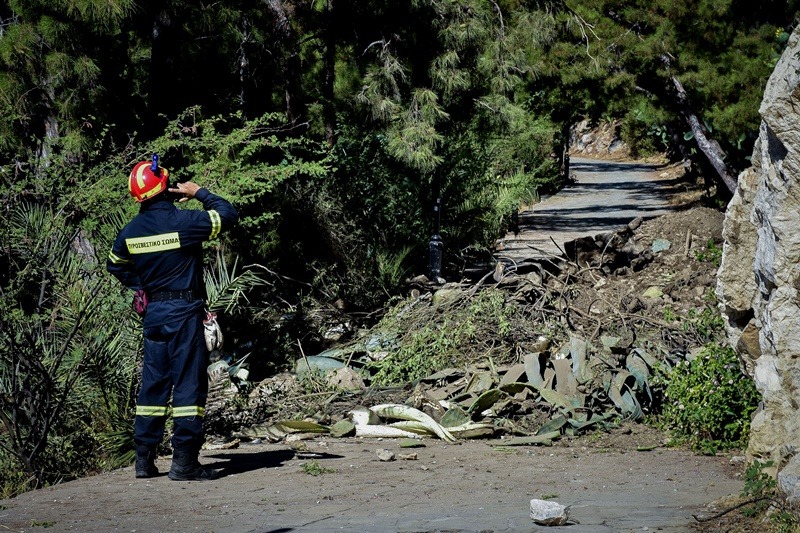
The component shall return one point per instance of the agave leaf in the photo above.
(404, 412)
(632, 405)
(545, 439)
(343, 428)
(638, 368)
(453, 417)
(557, 399)
(271, 432)
(362, 416)
(485, 401)
(651, 360)
(622, 396)
(316, 363)
(553, 425)
(517, 387)
(593, 420)
(298, 426)
(472, 430)
(533, 369)
(413, 426)
(513, 374)
(387, 432)
(577, 350)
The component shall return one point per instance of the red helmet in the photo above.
(144, 183)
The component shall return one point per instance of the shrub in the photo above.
(708, 401)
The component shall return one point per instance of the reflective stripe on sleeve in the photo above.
(188, 410)
(114, 258)
(151, 410)
(216, 224)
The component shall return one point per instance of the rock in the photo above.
(652, 293)
(345, 378)
(789, 480)
(603, 139)
(758, 285)
(549, 513)
(316, 363)
(542, 344)
(748, 348)
(385, 455)
(661, 245)
(447, 296)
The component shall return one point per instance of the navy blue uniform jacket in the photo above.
(161, 250)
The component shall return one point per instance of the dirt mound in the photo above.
(662, 267)
(569, 346)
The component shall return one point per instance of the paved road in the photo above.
(477, 486)
(606, 197)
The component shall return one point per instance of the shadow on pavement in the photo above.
(238, 463)
(609, 166)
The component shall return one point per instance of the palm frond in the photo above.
(225, 288)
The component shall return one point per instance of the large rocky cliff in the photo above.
(758, 283)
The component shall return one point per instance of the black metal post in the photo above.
(435, 246)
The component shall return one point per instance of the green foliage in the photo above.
(225, 287)
(706, 324)
(708, 401)
(465, 101)
(59, 360)
(313, 468)
(436, 344)
(712, 254)
(391, 270)
(53, 58)
(758, 484)
(246, 161)
(761, 487)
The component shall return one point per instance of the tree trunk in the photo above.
(329, 74)
(290, 61)
(710, 148)
(244, 63)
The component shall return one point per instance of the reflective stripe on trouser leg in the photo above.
(189, 374)
(151, 404)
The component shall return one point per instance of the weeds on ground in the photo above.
(761, 489)
(313, 468)
(712, 254)
(448, 334)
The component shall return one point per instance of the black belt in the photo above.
(189, 295)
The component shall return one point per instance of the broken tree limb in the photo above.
(710, 148)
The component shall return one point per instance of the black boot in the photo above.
(186, 467)
(146, 461)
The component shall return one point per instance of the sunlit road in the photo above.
(607, 195)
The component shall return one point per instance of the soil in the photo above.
(627, 477)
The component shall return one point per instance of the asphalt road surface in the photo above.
(606, 196)
(476, 486)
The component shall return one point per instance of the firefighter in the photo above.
(159, 256)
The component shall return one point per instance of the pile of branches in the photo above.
(545, 348)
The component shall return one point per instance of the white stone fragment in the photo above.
(549, 513)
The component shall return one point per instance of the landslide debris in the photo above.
(532, 352)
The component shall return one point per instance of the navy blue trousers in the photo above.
(175, 363)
